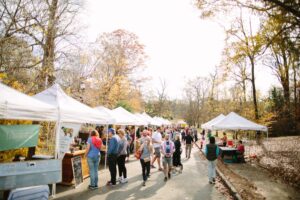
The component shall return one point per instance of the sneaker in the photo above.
(94, 188)
(144, 183)
(152, 166)
(120, 179)
(125, 180)
(90, 186)
(165, 179)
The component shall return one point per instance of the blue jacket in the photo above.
(113, 146)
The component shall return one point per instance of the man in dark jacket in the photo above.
(112, 155)
(211, 152)
(188, 144)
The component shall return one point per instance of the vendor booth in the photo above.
(25, 171)
(235, 122)
(71, 114)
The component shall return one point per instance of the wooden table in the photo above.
(67, 172)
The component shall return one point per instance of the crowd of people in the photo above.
(159, 149)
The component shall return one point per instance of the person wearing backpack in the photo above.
(167, 150)
(122, 153)
(92, 153)
(211, 153)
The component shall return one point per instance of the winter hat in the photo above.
(111, 130)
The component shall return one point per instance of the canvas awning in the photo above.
(123, 117)
(142, 119)
(71, 110)
(150, 120)
(16, 105)
(234, 121)
(208, 125)
(108, 112)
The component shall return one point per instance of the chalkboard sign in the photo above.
(77, 170)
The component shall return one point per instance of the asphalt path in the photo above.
(192, 183)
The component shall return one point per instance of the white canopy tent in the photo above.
(141, 119)
(234, 121)
(19, 106)
(150, 120)
(161, 120)
(108, 112)
(71, 110)
(123, 117)
(208, 125)
(158, 121)
(16, 105)
(166, 122)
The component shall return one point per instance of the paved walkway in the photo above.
(268, 186)
(191, 184)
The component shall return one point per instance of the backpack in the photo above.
(168, 148)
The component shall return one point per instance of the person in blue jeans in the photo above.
(94, 144)
(212, 153)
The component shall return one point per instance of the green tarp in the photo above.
(18, 136)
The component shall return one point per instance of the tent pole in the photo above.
(105, 160)
(58, 125)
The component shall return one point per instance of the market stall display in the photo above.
(71, 114)
(15, 105)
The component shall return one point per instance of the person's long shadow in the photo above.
(134, 193)
(139, 191)
(206, 191)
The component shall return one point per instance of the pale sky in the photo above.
(179, 44)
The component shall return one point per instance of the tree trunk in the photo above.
(295, 90)
(286, 82)
(254, 88)
(244, 91)
(49, 47)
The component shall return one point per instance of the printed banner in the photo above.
(18, 136)
(66, 136)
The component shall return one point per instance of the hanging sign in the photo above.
(18, 136)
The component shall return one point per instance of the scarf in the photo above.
(96, 142)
